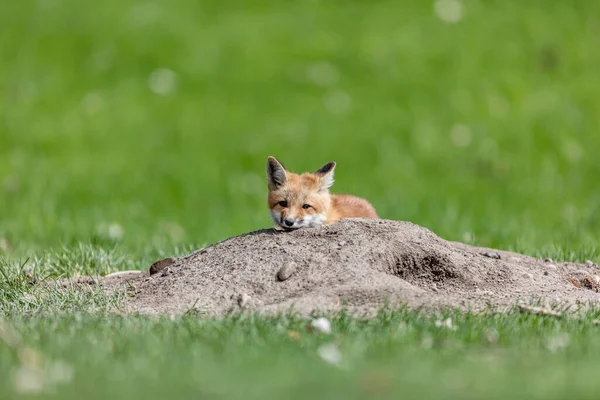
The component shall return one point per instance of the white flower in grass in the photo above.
(338, 102)
(330, 353)
(92, 103)
(162, 81)
(450, 11)
(460, 135)
(323, 74)
(321, 325)
(28, 380)
(447, 323)
(115, 231)
(60, 372)
(558, 342)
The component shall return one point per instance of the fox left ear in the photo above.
(326, 174)
(276, 173)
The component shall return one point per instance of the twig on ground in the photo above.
(539, 311)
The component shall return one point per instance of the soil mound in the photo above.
(357, 264)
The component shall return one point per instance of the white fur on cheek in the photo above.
(276, 216)
(313, 220)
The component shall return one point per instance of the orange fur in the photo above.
(303, 200)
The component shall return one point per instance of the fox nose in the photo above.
(288, 222)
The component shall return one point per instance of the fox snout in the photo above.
(288, 221)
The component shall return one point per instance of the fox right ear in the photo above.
(326, 174)
(276, 172)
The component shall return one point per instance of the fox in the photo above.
(304, 201)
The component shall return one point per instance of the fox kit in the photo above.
(303, 201)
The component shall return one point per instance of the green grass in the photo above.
(399, 353)
(131, 131)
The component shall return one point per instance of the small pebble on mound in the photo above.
(161, 265)
(287, 271)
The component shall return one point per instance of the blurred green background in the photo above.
(132, 130)
(148, 123)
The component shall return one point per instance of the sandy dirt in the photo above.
(360, 265)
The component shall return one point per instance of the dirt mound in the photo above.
(358, 264)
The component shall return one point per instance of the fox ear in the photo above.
(326, 174)
(276, 172)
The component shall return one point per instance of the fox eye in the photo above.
(283, 203)
(305, 206)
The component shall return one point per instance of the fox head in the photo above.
(298, 201)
